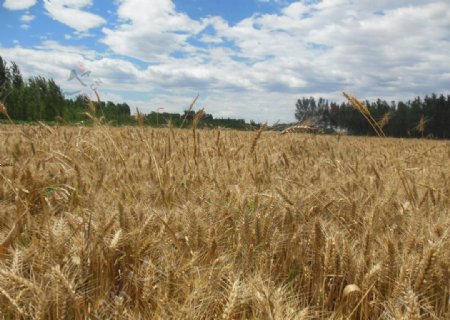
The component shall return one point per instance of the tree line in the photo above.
(40, 99)
(421, 117)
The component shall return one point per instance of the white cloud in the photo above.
(296, 10)
(274, 1)
(70, 13)
(335, 44)
(18, 4)
(150, 30)
(43, 60)
(258, 67)
(27, 18)
(385, 49)
(210, 39)
(75, 3)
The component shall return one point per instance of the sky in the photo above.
(249, 59)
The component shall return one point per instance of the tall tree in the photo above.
(16, 76)
(306, 109)
(14, 99)
(323, 113)
(5, 79)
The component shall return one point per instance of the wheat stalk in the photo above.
(232, 301)
(362, 108)
(97, 221)
(4, 111)
(257, 137)
(189, 110)
(12, 301)
(299, 128)
(140, 117)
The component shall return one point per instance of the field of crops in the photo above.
(141, 223)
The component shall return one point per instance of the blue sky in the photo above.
(248, 59)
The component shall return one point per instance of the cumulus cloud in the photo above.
(274, 1)
(258, 67)
(70, 13)
(386, 49)
(18, 4)
(149, 30)
(334, 44)
(27, 18)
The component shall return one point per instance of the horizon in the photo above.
(247, 60)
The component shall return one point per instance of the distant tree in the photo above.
(334, 115)
(75, 109)
(317, 114)
(12, 89)
(5, 79)
(55, 101)
(306, 109)
(189, 115)
(16, 75)
(398, 124)
(123, 109)
(427, 117)
(207, 117)
(322, 116)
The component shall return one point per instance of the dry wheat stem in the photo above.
(126, 222)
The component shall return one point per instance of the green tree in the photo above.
(54, 100)
(398, 125)
(322, 116)
(306, 109)
(5, 79)
(16, 76)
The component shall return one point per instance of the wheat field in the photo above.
(141, 223)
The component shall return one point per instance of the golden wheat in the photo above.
(144, 223)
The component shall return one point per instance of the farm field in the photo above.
(142, 223)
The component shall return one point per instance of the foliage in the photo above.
(427, 117)
(40, 99)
